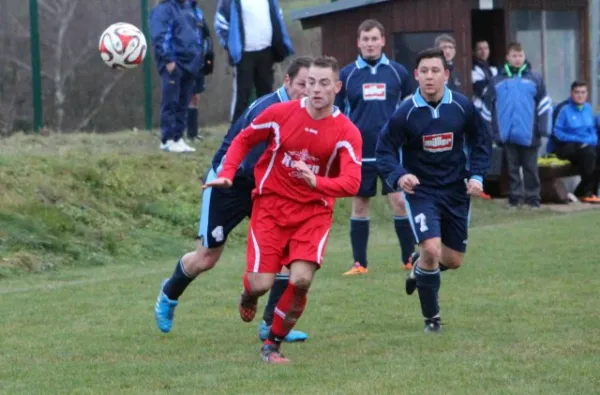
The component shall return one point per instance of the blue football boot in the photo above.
(164, 310)
(293, 336)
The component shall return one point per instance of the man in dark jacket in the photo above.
(520, 112)
(178, 54)
(254, 35)
(482, 72)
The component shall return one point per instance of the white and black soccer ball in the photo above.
(122, 46)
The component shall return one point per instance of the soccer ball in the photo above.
(122, 46)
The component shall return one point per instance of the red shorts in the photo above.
(282, 231)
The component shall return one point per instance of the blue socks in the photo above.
(359, 237)
(192, 123)
(178, 282)
(405, 237)
(279, 287)
(428, 285)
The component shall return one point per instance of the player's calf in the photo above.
(202, 260)
(255, 285)
(189, 267)
(427, 277)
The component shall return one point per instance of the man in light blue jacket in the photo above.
(254, 35)
(575, 138)
(520, 113)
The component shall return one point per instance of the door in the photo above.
(490, 25)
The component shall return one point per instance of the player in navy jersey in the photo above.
(224, 209)
(373, 86)
(445, 150)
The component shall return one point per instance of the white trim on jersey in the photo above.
(275, 127)
(338, 146)
(321, 247)
(256, 252)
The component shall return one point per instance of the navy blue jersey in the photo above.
(369, 96)
(441, 146)
(261, 104)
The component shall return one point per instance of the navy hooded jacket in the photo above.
(175, 37)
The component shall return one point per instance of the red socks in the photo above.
(287, 312)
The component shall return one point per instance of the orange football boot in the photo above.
(356, 269)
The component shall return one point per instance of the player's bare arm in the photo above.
(259, 130)
(220, 182)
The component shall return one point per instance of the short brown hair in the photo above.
(301, 62)
(514, 46)
(444, 38)
(431, 53)
(327, 62)
(578, 84)
(370, 24)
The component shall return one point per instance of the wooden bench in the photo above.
(553, 190)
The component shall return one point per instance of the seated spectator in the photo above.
(575, 138)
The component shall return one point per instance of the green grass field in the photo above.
(89, 225)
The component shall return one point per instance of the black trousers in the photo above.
(584, 158)
(518, 157)
(254, 70)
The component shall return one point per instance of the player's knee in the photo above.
(431, 252)
(397, 204)
(360, 207)
(204, 258)
(301, 281)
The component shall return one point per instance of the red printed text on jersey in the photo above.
(438, 142)
(312, 162)
(374, 91)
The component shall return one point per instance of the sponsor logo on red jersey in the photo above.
(311, 161)
(374, 91)
(438, 142)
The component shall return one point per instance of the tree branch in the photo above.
(96, 109)
(43, 4)
(24, 65)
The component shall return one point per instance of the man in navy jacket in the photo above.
(178, 52)
(254, 35)
(575, 138)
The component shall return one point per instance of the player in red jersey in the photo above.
(313, 156)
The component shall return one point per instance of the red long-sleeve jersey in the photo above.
(331, 147)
